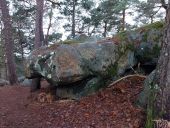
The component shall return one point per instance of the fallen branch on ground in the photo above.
(125, 77)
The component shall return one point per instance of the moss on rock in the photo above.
(70, 42)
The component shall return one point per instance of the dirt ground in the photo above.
(109, 108)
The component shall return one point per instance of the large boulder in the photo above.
(75, 69)
(63, 64)
(21, 79)
(26, 82)
(3, 82)
(146, 41)
(79, 69)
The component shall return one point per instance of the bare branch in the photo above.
(125, 77)
(54, 3)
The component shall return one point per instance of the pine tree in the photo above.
(9, 43)
(162, 79)
(39, 35)
(73, 11)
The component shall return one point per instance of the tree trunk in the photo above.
(105, 29)
(9, 43)
(151, 18)
(123, 20)
(21, 43)
(39, 36)
(162, 104)
(49, 26)
(73, 19)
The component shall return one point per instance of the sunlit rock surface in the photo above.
(62, 64)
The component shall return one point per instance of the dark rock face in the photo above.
(147, 53)
(144, 95)
(126, 61)
(81, 88)
(146, 42)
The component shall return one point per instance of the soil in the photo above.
(111, 107)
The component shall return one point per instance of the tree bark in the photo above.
(39, 36)
(162, 104)
(151, 18)
(123, 20)
(49, 26)
(73, 19)
(105, 29)
(9, 43)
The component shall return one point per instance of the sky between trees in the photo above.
(130, 19)
(57, 23)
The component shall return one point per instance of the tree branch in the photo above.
(125, 77)
(54, 3)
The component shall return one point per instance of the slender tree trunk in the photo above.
(22, 52)
(9, 43)
(49, 26)
(123, 20)
(39, 36)
(162, 104)
(151, 18)
(105, 29)
(73, 19)
(21, 43)
(88, 30)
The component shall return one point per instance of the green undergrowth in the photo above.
(112, 70)
(70, 41)
(156, 25)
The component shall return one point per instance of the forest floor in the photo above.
(112, 107)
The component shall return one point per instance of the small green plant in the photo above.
(122, 35)
(112, 70)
